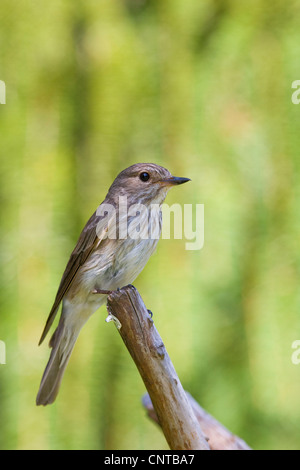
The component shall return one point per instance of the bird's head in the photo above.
(144, 183)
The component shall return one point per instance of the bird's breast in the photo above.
(117, 262)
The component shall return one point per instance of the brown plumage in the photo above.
(99, 261)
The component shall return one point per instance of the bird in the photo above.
(104, 259)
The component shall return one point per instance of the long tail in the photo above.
(62, 344)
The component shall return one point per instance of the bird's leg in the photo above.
(101, 291)
(106, 291)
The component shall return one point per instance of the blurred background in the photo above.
(204, 89)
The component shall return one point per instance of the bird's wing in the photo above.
(90, 237)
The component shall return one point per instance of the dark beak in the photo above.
(173, 180)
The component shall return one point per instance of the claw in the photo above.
(150, 313)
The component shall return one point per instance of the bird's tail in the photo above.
(62, 344)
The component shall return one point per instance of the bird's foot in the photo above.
(116, 321)
(150, 313)
(102, 291)
(107, 291)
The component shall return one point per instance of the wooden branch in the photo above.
(175, 415)
(219, 438)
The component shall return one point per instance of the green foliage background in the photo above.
(203, 88)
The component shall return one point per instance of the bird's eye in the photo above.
(144, 176)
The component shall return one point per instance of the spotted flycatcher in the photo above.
(109, 254)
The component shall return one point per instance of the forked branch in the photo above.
(185, 424)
